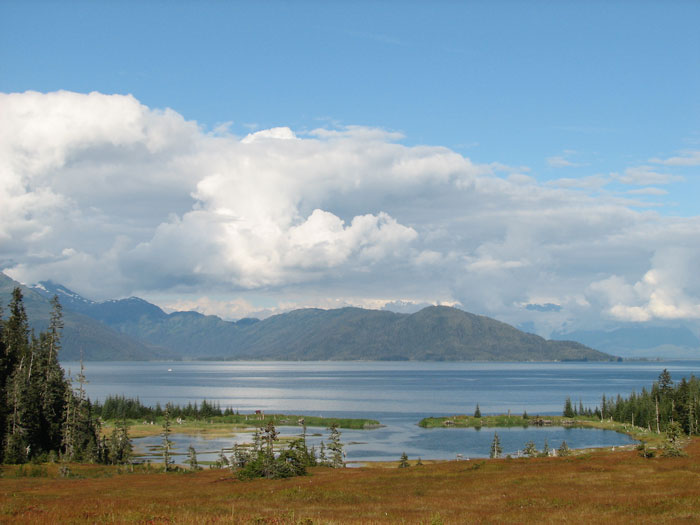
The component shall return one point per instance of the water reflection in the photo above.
(387, 443)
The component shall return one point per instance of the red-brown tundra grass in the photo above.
(598, 487)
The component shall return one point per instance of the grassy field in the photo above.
(228, 425)
(598, 487)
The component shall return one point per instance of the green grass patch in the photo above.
(462, 421)
(225, 425)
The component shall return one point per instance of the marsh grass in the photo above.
(597, 487)
(218, 426)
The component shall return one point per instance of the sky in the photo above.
(537, 162)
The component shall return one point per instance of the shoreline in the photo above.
(212, 430)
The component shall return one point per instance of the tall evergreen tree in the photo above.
(16, 332)
(167, 444)
(52, 382)
(15, 446)
(81, 429)
(335, 448)
(665, 383)
(119, 448)
(568, 408)
(16, 369)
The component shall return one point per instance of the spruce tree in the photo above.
(267, 457)
(403, 463)
(53, 383)
(16, 333)
(119, 448)
(30, 413)
(568, 408)
(496, 449)
(13, 379)
(477, 412)
(85, 427)
(665, 383)
(70, 422)
(563, 449)
(15, 449)
(167, 444)
(603, 408)
(530, 449)
(192, 458)
(545, 449)
(335, 447)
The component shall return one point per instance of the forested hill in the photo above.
(436, 333)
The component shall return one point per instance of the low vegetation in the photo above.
(206, 417)
(598, 487)
(498, 420)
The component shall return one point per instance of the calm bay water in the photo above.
(398, 394)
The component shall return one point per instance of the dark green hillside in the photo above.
(440, 332)
(434, 333)
(313, 334)
(190, 334)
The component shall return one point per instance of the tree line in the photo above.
(45, 416)
(666, 406)
(120, 407)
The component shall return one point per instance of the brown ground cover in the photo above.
(601, 487)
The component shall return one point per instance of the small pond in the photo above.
(389, 442)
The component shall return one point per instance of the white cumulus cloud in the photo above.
(113, 198)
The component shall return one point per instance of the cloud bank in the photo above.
(113, 198)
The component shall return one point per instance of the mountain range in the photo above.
(640, 341)
(134, 329)
(81, 334)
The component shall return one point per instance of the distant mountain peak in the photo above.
(49, 289)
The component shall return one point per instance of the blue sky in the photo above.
(520, 82)
(595, 101)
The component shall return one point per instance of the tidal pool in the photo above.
(389, 442)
